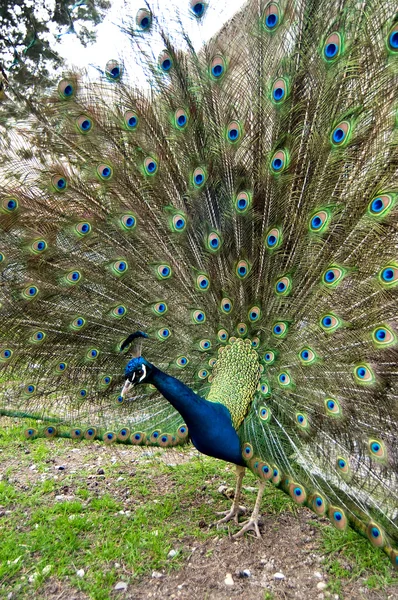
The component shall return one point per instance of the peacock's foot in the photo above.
(231, 515)
(250, 525)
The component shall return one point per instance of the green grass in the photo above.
(43, 537)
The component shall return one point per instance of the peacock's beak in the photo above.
(128, 384)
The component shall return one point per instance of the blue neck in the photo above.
(209, 423)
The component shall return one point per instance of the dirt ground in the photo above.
(285, 564)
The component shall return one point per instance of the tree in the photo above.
(29, 31)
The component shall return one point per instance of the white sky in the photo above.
(113, 44)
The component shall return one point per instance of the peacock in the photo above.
(228, 229)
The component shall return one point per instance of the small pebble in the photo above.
(228, 580)
(279, 576)
(321, 585)
(157, 575)
(46, 570)
(121, 586)
(61, 468)
(172, 553)
(80, 573)
(318, 575)
(117, 565)
(100, 472)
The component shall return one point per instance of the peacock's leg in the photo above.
(235, 510)
(252, 523)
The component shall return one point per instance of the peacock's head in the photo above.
(138, 370)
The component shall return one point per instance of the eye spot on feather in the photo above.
(302, 420)
(330, 322)
(163, 271)
(242, 269)
(182, 361)
(37, 337)
(38, 247)
(144, 19)
(83, 229)
(61, 367)
(203, 373)
(59, 183)
(381, 205)
(333, 276)
(279, 330)
(383, 337)
(199, 177)
(271, 16)
(120, 267)
(90, 433)
(337, 517)
(165, 61)
(178, 223)
(297, 493)
(104, 172)
(5, 355)
(76, 434)
(279, 161)
(234, 132)
(280, 90)
(363, 374)
(198, 316)
(241, 328)
(375, 535)
(217, 67)
(222, 335)
(388, 276)
(202, 283)
(113, 70)
(123, 434)
(340, 134)
(392, 39)
(226, 305)
(247, 451)
(269, 357)
(119, 311)
(30, 292)
(333, 408)
(164, 333)
(213, 242)
(284, 379)
(204, 345)
(138, 437)
(9, 205)
(198, 8)
(160, 308)
(105, 380)
(131, 120)
(84, 124)
(92, 354)
(264, 413)
(319, 222)
(180, 119)
(127, 222)
(283, 286)
(78, 323)
(109, 437)
(377, 450)
(273, 239)
(150, 166)
(29, 389)
(243, 202)
(307, 356)
(254, 313)
(66, 89)
(318, 504)
(332, 47)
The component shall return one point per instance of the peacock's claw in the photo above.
(249, 525)
(231, 515)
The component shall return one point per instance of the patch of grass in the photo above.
(132, 516)
(349, 556)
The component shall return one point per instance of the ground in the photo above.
(81, 520)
